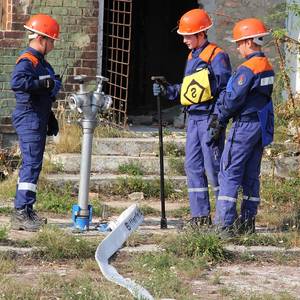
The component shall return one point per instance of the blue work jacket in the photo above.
(249, 89)
(24, 81)
(220, 70)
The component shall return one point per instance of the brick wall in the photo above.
(77, 46)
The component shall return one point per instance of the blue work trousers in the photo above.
(240, 167)
(31, 130)
(202, 163)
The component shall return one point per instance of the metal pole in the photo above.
(85, 166)
(163, 220)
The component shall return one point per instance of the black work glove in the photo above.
(215, 129)
(46, 83)
(52, 125)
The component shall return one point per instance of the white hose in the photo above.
(127, 223)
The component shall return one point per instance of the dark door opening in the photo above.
(156, 49)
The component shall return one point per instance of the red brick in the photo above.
(14, 34)
(89, 55)
(10, 43)
(89, 63)
(85, 71)
(17, 26)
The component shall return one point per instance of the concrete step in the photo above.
(70, 163)
(101, 183)
(133, 146)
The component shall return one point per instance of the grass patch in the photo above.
(278, 240)
(78, 287)
(280, 203)
(54, 199)
(131, 169)
(158, 274)
(8, 188)
(173, 149)
(113, 132)
(7, 264)
(50, 167)
(5, 210)
(3, 233)
(149, 211)
(195, 244)
(55, 243)
(176, 166)
(69, 139)
(180, 212)
(133, 184)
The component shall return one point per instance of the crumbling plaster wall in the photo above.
(225, 13)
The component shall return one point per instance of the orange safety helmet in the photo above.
(249, 28)
(43, 25)
(194, 21)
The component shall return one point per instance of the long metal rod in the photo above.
(163, 221)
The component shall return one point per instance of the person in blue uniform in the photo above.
(35, 86)
(248, 102)
(205, 78)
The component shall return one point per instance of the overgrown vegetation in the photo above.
(195, 244)
(54, 243)
(173, 149)
(280, 205)
(133, 169)
(286, 111)
(3, 233)
(138, 184)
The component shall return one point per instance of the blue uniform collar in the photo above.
(256, 53)
(197, 51)
(36, 53)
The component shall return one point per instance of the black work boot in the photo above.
(21, 220)
(33, 215)
(247, 226)
(199, 222)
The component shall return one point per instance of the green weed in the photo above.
(7, 264)
(280, 202)
(5, 210)
(173, 149)
(148, 210)
(8, 188)
(132, 184)
(113, 132)
(54, 199)
(50, 167)
(180, 212)
(55, 243)
(279, 240)
(158, 274)
(131, 169)
(194, 244)
(3, 233)
(176, 166)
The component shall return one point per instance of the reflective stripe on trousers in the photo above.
(201, 165)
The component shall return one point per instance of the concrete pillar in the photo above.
(292, 59)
